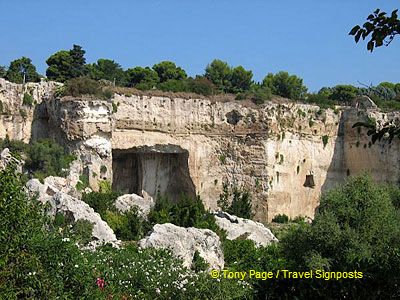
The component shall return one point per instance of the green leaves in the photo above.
(381, 29)
(285, 85)
(354, 30)
(21, 68)
(64, 65)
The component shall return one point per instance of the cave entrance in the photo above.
(160, 168)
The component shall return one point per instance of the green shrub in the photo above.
(105, 186)
(201, 85)
(83, 182)
(101, 202)
(242, 255)
(261, 95)
(325, 139)
(236, 201)
(103, 169)
(356, 227)
(16, 147)
(80, 86)
(186, 212)
(114, 108)
(46, 158)
(27, 100)
(128, 226)
(281, 218)
(32, 257)
(174, 85)
(198, 263)
(299, 219)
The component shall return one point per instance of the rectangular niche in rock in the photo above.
(158, 169)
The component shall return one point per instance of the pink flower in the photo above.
(100, 282)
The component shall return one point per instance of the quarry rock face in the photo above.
(144, 204)
(184, 242)
(236, 227)
(286, 154)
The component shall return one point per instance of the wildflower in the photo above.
(100, 283)
(65, 239)
(158, 291)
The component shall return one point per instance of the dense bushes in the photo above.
(84, 86)
(185, 212)
(219, 77)
(39, 262)
(127, 226)
(43, 158)
(31, 256)
(285, 85)
(281, 218)
(356, 228)
(47, 158)
(236, 201)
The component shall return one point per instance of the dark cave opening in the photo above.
(159, 169)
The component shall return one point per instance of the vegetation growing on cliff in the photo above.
(219, 78)
(236, 201)
(42, 158)
(22, 70)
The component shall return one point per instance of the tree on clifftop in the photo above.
(285, 85)
(167, 70)
(219, 73)
(142, 78)
(3, 72)
(64, 65)
(106, 69)
(21, 68)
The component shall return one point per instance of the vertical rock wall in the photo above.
(285, 154)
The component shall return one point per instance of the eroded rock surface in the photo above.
(144, 204)
(51, 192)
(184, 242)
(236, 227)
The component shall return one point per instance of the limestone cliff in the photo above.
(286, 154)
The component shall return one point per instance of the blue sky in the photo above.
(306, 38)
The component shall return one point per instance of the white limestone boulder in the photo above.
(144, 204)
(184, 242)
(6, 158)
(61, 202)
(238, 227)
(67, 205)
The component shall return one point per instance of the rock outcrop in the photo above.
(236, 227)
(144, 204)
(51, 192)
(6, 158)
(184, 242)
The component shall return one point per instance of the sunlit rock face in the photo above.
(286, 154)
(184, 242)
